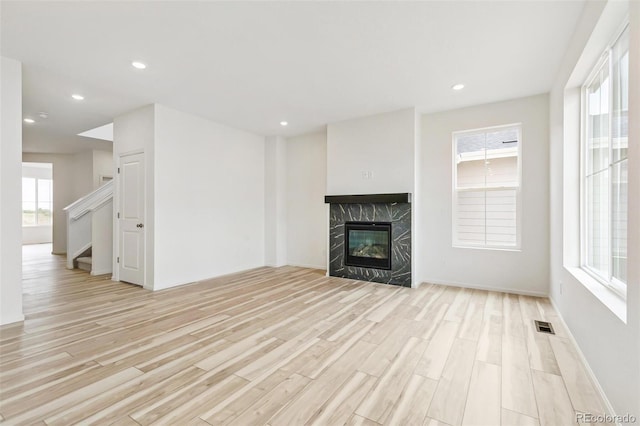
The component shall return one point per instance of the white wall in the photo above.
(133, 132)
(103, 165)
(611, 347)
(376, 155)
(39, 171)
(37, 234)
(306, 178)
(82, 173)
(65, 188)
(275, 199)
(209, 199)
(382, 144)
(525, 271)
(102, 240)
(10, 196)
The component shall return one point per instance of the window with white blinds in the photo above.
(486, 182)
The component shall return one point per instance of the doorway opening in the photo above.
(37, 203)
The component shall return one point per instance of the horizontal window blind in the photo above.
(486, 188)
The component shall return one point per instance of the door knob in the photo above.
(140, 225)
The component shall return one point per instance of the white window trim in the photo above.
(616, 287)
(455, 242)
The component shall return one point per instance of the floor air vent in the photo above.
(544, 327)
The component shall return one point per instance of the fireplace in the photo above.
(370, 237)
(368, 244)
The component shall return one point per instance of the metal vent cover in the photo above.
(544, 327)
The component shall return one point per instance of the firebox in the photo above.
(368, 244)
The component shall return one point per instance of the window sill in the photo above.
(607, 297)
(515, 249)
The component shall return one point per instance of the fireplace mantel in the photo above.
(401, 197)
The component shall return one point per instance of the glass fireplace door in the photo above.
(368, 244)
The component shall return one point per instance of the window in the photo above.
(487, 187)
(37, 196)
(604, 167)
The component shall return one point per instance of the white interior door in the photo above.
(131, 219)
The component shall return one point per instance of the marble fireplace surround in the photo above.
(394, 208)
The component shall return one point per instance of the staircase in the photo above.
(85, 263)
(90, 231)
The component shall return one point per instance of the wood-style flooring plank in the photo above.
(357, 420)
(511, 418)
(472, 322)
(490, 340)
(65, 401)
(235, 405)
(435, 357)
(380, 401)
(342, 404)
(541, 356)
(484, 399)
(316, 394)
(554, 404)
(267, 406)
(450, 397)
(517, 385)
(582, 393)
(411, 408)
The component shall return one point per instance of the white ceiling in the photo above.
(252, 64)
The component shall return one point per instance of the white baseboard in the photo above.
(479, 287)
(156, 287)
(302, 265)
(587, 367)
(12, 319)
(101, 271)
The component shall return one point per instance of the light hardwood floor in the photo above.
(284, 346)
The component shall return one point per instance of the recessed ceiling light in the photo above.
(138, 65)
(77, 97)
(458, 86)
(29, 120)
(284, 123)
